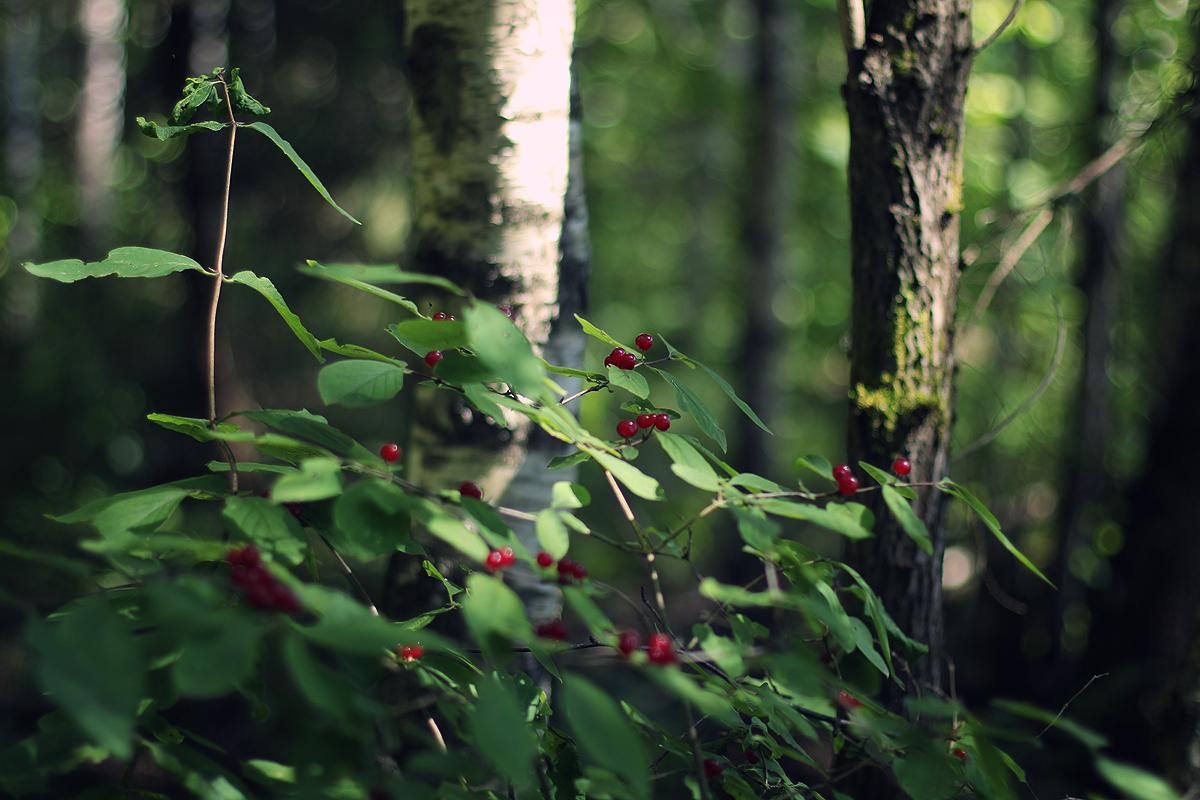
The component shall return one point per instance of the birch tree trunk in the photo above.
(490, 152)
(905, 93)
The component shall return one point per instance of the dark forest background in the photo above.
(742, 265)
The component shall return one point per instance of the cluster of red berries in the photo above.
(566, 568)
(442, 316)
(500, 559)
(846, 482)
(628, 428)
(555, 629)
(262, 589)
(621, 359)
(659, 647)
(411, 652)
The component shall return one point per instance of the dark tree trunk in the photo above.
(1150, 612)
(1088, 487)
(764, 208)
(905, 93)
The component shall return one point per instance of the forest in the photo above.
(950, 246)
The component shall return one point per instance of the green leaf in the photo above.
(141, 512)
(1134, 782)
(502, 733)
(756, 530)
(325, 689)
(354, 351)
(818, 464)
(834, 517)
(124, 262)
(424, 335)
(92, 667)
(461, 368)
(349, 627)
(685, 688)
(638, 482)
(268, 524)
(196, 428)
(318, 479)
(733, 396)
(875, 609)
(196, 92)
(604, 733)
(242, 102)
(866, 646)
(358, 383)
(373, 519)
(908, 520)
(165, 132)
(565, 494)
(630, 380)
(562, 462)
(291, 153)
(313, 427)
(961, 492)
(1089, 738)
(364, 277)
(267, 289)
(592, 330)
(552, 533)
(689, 402)
(218, 655)
(687, 462)
(881, 477)
(495, 615)
(503, 348)
(587, 610)
(925, 774)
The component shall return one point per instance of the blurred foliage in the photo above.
(665, 98)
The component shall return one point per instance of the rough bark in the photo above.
(490, 142)
(905, 94)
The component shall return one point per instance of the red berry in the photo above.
(627, 429)
(469, 489)
(662, 422)
(841, 471)
(627, 361)
(848, 484)
(432, 358)
(628, 641)
(411, 652)
(284, 599)
(507, 557)
(493, 561)
(578, 571)
(646, 420)
(506, 311)
(961, 754)
(901, 466)
(441, 315)
(544, 559)
(293, 507)
(644, 341)
(565, 565)
(849, 701)
(660, 649)
(390, 452)
(608, 362)
(826, 657)
(713, 768)
(555, 629)
(247, 556)
(260, 596)
(752, 757)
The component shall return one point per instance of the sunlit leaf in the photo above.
(359, 383)
(267, 289)
(962, 493)
(291, 153)
(691, 404)
(124, 262)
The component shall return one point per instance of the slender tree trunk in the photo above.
(1151, 611)
(101, 119)
(905, 93)
(764, 209)
(491, 84)
(1089, 489)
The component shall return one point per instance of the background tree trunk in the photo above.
(491, 85)
(905, 93)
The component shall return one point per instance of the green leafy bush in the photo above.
(373, 707)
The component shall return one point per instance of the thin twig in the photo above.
(697, 754)
(1010, 259)
(1012, 14)
(350, 574)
